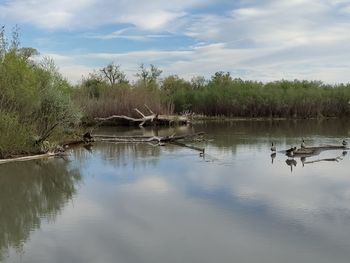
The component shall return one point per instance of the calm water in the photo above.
(139, 203)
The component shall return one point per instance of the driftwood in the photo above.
(201, 150)
(32, 157)
(336, 159)
(154, 118)
(134, 139)
(70, 143)
(312, 151)
(158, 139)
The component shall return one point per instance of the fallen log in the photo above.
(72, 143)
(316, 150)
(102, 136)
(153, 119)
(188, 146)
(336, 159)
(171, 138)
(32, 157)
(323, 148)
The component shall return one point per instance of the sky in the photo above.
(261, 40)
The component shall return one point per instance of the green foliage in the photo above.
(223, 95)
(15, 138)
(34, 98)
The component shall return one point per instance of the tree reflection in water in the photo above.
(121, 154)
(31, 191)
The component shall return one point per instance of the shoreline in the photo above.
(193, 120)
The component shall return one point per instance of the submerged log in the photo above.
(171, 138)
(336, 159)
(201, 150)
(153, 119)
(70, 143)
(32, 157)
(308, 151)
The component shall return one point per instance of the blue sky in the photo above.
(253, 39)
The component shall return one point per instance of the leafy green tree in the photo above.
(198, 82)
(34, 98)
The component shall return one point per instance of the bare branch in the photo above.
(149, 109)
(139, 112)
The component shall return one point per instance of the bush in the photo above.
(15, 138)
(34, 100)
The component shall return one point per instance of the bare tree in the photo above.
(143, 74)
(148, 76)
(113, 74)
(154, 73)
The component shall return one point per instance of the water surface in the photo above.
(145, 203)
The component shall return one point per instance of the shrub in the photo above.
(15, 138)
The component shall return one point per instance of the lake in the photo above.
(144, 203)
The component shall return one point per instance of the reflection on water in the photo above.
(31, 191)
(309, 154)
(304, 160)
(141, 203)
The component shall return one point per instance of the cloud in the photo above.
(263, 64)
(152, 184)
(263, 40)
(272, 23)
(128, 33)
(57, 14)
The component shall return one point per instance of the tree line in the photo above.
(220, 95)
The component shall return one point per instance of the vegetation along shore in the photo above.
(39, 107)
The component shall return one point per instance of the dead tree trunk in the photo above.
(32, 157)
(171, 138)
(154, 118)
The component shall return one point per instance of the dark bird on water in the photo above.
(291, 151)
(273, 147)
(87, 137)
(345, 143)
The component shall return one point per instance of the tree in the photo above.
(221, 79)
(15, 41)
(198, 82)
(154, 73)
(3, 43)
(143, 74)
(149, 76)
(172, 84)
(27, 52)
(34, 98)
(113, 74)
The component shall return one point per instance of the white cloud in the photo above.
(152, 184)
(265, 64)
(264, 40)
(127, 33)
(58, 14)
(155, 20)
(272, 23)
